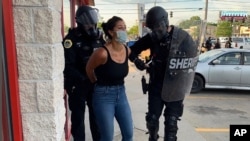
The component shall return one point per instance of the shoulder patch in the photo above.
(67, 43)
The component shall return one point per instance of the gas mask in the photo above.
(92, 32)
(159, 31)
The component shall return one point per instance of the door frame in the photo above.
(12, 70)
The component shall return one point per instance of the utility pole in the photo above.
(204, 26)
(141, 8)
(206, 9)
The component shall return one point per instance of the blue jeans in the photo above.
(111, 102)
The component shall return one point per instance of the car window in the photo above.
(247, 58)
(230, 59)
(208, 55)
(237, 39)
(247, 40)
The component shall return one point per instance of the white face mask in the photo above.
(121, 36)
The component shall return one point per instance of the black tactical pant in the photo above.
(172, 112)
(78, 98)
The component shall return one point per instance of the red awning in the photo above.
(232, 18)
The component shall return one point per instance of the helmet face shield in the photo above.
(157, 21)
(88, 18)
(159, 30)
(155, 16)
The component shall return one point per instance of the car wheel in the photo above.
(198, 84)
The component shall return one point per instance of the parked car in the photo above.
(241, 42)
(227, 68)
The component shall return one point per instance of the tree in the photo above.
(193, 21)
(193, 25)
(133, 31)
(224, 29)
(195, 18)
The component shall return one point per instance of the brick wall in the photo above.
(37, 25)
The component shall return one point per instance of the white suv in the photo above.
(223, 41)
(241, 42)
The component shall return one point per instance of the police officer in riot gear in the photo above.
(173, 57)
(79, 44)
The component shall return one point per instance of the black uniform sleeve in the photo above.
(140, 45)
(72, 75)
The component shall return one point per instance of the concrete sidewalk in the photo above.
(138, 103)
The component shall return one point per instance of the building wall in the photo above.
(37, 25)
(244, 31)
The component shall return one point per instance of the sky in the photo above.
(182, 9)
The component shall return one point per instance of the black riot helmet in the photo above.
(157, 21)
(86, 19)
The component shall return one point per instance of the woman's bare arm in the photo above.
(98, 58)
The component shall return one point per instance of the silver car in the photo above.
(226, 68)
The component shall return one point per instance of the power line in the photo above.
(231, 1)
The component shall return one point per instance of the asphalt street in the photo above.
(207, 115)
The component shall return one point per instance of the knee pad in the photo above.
(171, 123)
(152, 121)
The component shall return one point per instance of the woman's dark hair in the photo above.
(109, 25)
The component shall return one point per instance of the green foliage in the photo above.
(134, 30)
(195, 18)
(99, 25)
(193, 21)
(66, 29)
(224, 29)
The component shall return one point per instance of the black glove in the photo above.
(139, 64)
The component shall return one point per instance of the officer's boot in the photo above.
(153, 127)
(153, 136)
(153, 133)
(171, 128)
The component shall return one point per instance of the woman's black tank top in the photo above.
(112, 73)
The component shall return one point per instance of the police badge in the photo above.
(67, 43)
